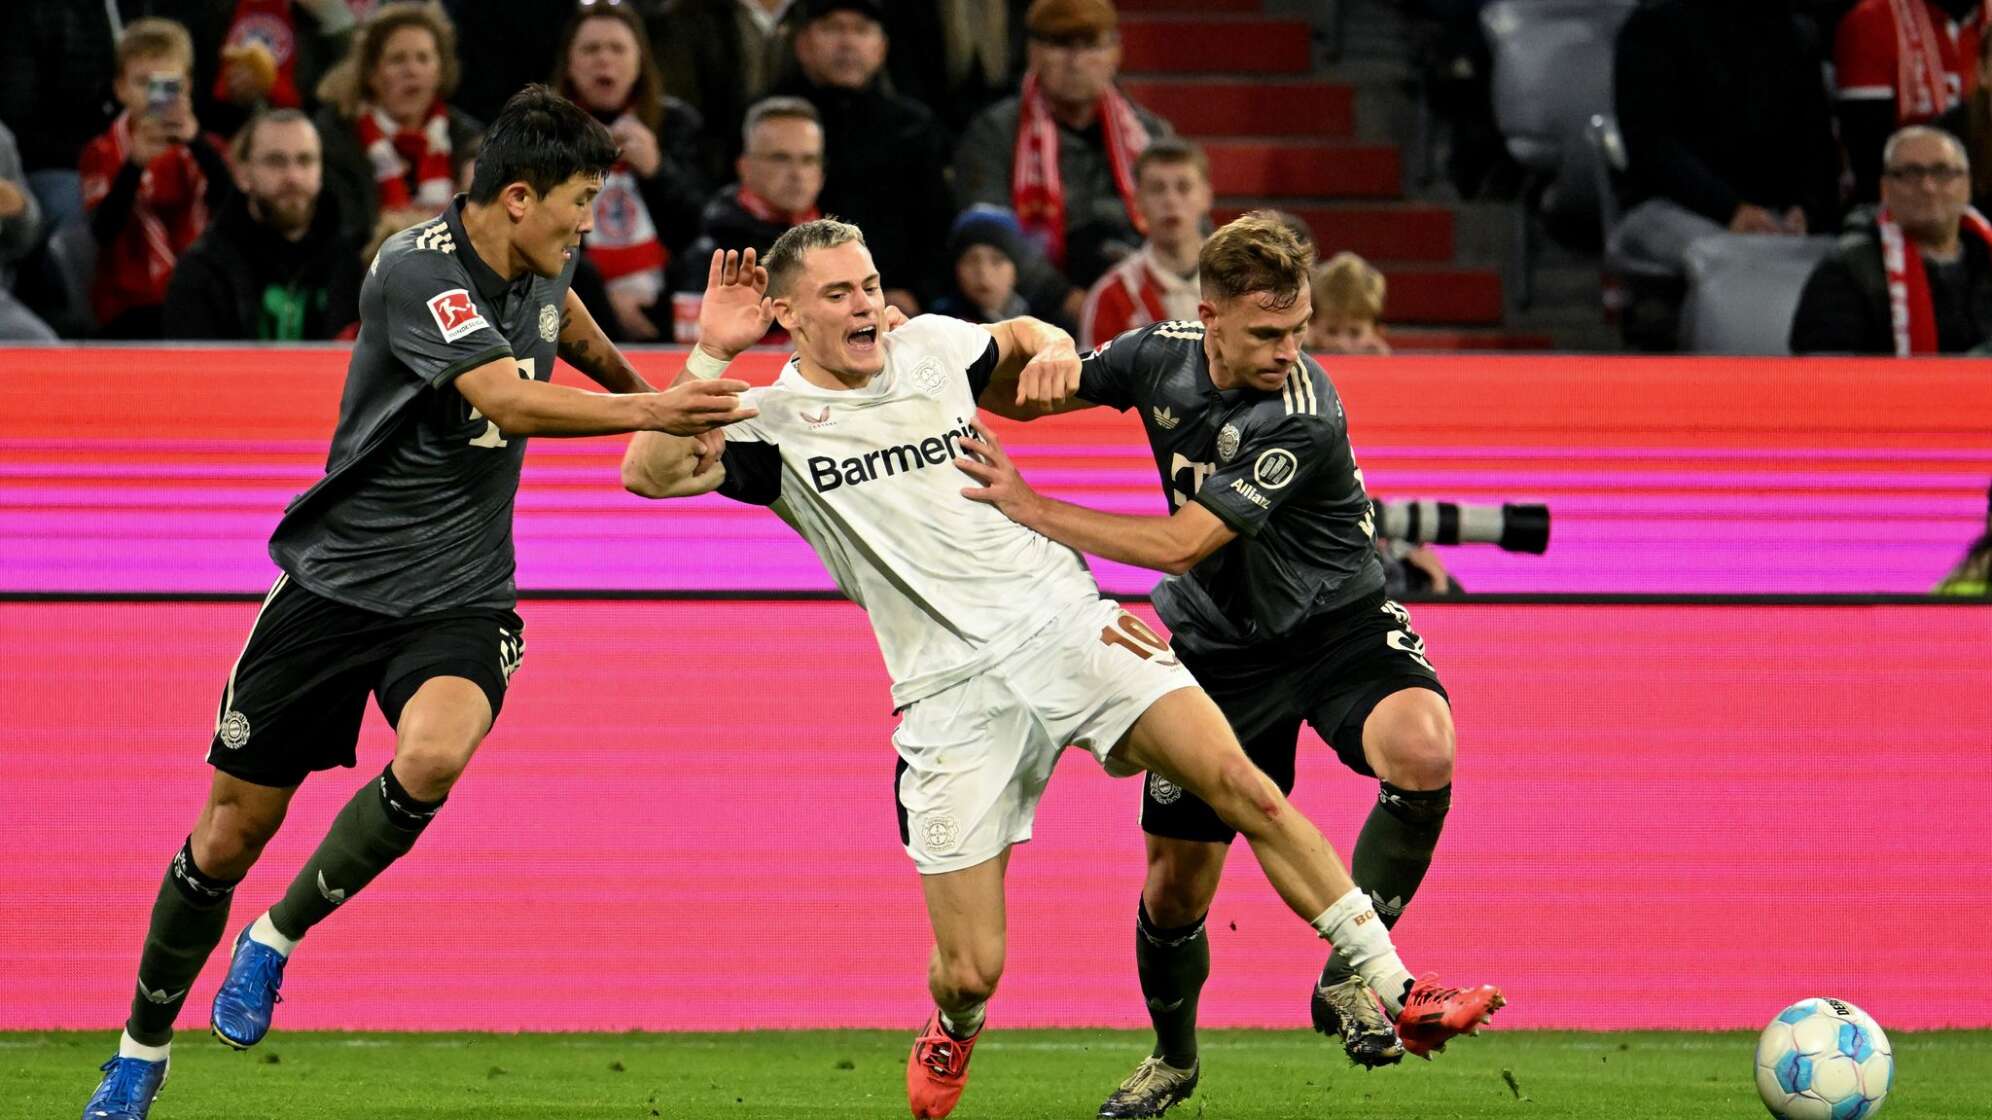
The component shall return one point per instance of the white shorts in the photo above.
(974, 758)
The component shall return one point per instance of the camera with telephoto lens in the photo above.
(1513, 526)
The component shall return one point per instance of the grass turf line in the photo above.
(1017, 1074)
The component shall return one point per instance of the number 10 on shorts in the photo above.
(1136, 637)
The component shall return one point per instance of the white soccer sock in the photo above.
(1352, 926)
(964, 1025)
(129, 1047)
(264, 932)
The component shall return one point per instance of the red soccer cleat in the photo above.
(937, 1070)
(1433, 1015)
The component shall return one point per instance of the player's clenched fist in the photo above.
(1051, 377)
(698, 406)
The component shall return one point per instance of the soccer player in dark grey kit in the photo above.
(1276, 605)
(397, 566)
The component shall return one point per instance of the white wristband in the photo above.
(703, 365)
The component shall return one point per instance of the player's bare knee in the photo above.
(432, 754)
(1248, 800)
(1419, 756)
(970, 977)
(230, 838)
(429, 770)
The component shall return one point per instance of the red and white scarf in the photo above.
(1921, 88)
(624, 244)
(1910, 315)
(766, 211)
(1037, 192)
(393, 150)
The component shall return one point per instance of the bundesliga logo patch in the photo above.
(455, 315)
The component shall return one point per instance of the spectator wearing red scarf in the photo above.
(1061, 154)
(394, 147)
(1919, 279)
(1897, 63)
(150, 182)
(648, 209)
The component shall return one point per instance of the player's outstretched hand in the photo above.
(1051, 377)
(736, 311)
(1002, 486)
(696, 407)
(712, 445)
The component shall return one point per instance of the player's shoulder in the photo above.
(1305, 402)
(1177, 341)
(931, 329)
(429, 248)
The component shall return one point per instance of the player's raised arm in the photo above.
(734, 315)
(1037, 371)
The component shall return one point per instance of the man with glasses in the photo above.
(273, 267)
(1061, 153)
(781, 174)
(1918, 279)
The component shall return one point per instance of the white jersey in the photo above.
(867, 477)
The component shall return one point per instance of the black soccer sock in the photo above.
(378, 826)
(1173, 964)
(1392, 854)
(188, 920)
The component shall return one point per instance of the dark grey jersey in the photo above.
(1276, 467)
(414, 513)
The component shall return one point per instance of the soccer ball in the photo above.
(1824, 1059)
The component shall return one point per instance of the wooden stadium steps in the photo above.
(1304, 169)
(1395, 232)
(1433, 295)
(1200, 107)
(1215, 44)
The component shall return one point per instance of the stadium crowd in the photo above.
(223, 169)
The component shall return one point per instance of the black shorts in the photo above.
(294, 700)
(1332, 673)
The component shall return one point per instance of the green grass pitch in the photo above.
(1017, 1074)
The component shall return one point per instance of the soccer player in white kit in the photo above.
(1001, 649)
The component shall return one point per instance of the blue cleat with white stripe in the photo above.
(127, 1090)
(248, 994)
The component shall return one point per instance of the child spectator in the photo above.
(1348, 307)
(150, 181)
(984, 247)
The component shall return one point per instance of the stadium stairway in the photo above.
(1281, 131)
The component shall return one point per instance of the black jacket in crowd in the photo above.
(726, 225)
(241, 280)
(1845, 309)
(885, 164)
(1722, 103)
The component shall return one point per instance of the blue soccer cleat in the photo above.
(248, 994)
(127, 1090)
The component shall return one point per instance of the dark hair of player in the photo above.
(541, 139)
(1255, 253)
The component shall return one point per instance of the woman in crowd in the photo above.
(650, 201)
(393, 146)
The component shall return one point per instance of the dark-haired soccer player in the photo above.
(397, 566)
(1276, 605)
